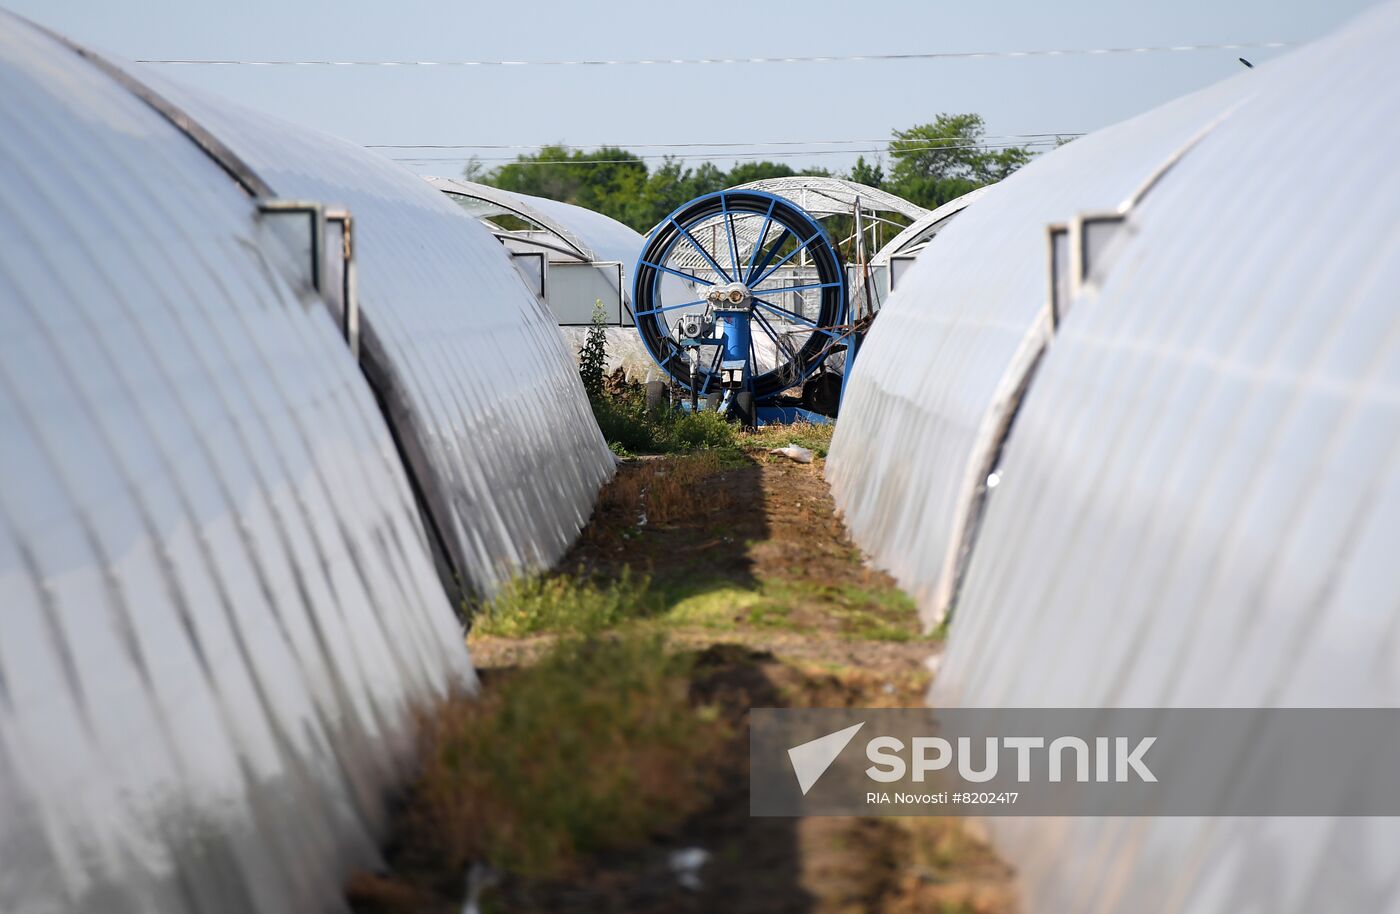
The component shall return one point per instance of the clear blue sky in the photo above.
(736, 103)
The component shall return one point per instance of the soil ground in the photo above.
(757, 579)
(766, 563)
(770, 591)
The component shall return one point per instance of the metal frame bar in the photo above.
(319, 216)
(544, 266)
(317, 212)
(1080, 267)
(1056, 307)
(350, 295)
(889, 269)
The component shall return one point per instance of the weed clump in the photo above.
(596, 747)
(816, 438)
(630, 428)
(563, 603)
(593, 357)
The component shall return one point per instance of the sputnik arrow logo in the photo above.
(811, 759)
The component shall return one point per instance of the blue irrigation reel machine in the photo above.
(740, 297)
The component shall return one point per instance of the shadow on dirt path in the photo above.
(756, 585)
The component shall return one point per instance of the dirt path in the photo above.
(754, 555)
(752, 572)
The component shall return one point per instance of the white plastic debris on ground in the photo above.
(793, 452)
(686, 864)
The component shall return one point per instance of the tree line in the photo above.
(929, 164)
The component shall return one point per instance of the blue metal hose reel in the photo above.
(740, 296)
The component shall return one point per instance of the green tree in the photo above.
(930, 165)
(744, 172)
(935, 163)
(871, 174)
(474, 170)
(668, 186)
(601, 179)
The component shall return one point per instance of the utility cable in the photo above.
(841, 58)
(756, 155)
(882, 139)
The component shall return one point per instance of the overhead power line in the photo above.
(756, 155)
(661, 61)
(745, 145)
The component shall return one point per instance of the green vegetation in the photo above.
(938, 162)
(714, 609)
(617, 182)
(848, 611)
(816, 438)
(594, 747)
(930, 164)
(627, 424)
(615, 730)
(563, 603)
(630, 428)
(593, 357)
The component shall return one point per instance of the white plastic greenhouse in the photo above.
(217, 557)
(1191, 318)
(570, 256)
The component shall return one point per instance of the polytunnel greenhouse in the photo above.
(479, 389)
(901, 252)
(1119, 436)
(944, 367)
(252, 443)
(573, 259)
(1134, 419)
(570, 256)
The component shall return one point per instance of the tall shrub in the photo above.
(594, 355)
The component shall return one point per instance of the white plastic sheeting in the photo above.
(572, 257)
(823, 196)
(1200, 502)
(924, 229)
(219, 607)
(590, 235)
(604, 237)
(939, 373)
(481, 389)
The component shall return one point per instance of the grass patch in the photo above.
(563, 603)
(775, 614)
(859, 613)
(572, 604)
(816, 438)
(596, 747)
(672, 490)
(717, 609)
(717, 604)
(891, 600)
(659, 492)
(630, 428)
(865, 626)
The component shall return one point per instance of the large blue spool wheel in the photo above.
(781, 258)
